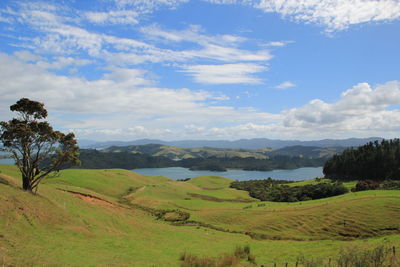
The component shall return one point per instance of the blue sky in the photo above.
(216, 69)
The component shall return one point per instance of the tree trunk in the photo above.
(26, 185)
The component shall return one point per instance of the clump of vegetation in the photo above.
(373, 161)
(374, 185)
(183, 180)
(377, 257)
(311, 262)
(390, 185)
(356, 257)
(240, 254)
(271, 190)
(172, 215)
(365, 185)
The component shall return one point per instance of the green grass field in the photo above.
(113, 228)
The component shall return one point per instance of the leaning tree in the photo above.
(37, 149)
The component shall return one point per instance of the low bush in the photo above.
(240, 254)
(365, 185)
(390, 185)
(381, 256)
(354, 257)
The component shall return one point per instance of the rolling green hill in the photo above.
(119, 218)
(174, 152)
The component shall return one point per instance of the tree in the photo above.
(37, 149)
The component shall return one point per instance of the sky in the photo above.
(205, 69)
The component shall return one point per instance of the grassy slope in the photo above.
(58, 228)
(183, 153)
(353, 215)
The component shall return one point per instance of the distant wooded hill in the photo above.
(95, 159)
(255, 143)
(174, 152)
(205, 158)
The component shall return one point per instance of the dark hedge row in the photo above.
(271, 190)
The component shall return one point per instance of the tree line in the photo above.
(280, 191)
(376, 161)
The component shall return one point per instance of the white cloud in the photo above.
(62, 62)
(113, 17)
(121, 99)
(121, 90)
(285, 85)
(277, 43)
(25, 55)
(225, 74)
(194, 34)
(359, 108)
(333, 14)
(223, 53)
(5, 19)
(123, 104)
(217, 47)
(62, 35)
(118, 91)
(148, 5)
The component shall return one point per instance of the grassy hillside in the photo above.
(107, 224)
(174, 152)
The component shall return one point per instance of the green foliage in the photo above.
(36, 148)
(234, 259)
(357, 257)
(390, 185)
(365, 185)
(373, 161)
(271, 190)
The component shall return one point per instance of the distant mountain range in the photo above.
(255, 143)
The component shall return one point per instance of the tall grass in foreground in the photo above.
(241, 256)
(381, 256)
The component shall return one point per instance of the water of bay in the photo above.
(6, 161)
(240, 175)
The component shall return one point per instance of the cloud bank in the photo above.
(124, 104)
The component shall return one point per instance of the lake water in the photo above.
(182, 173)
(6, 161)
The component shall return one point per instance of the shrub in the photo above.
(390, 185)
(224, 260)
(356, 257)
(365, 185)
